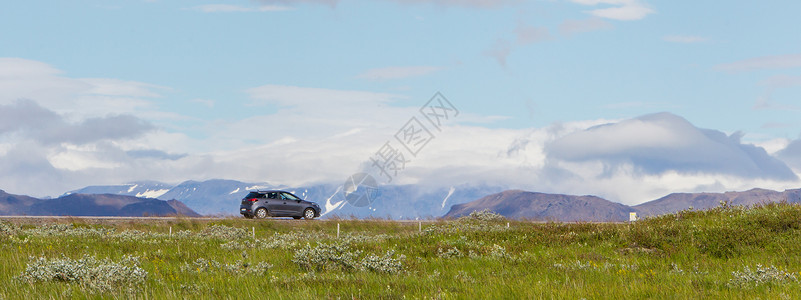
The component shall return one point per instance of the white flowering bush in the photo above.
(7, 228)
(485, 215)
(327, 256)
(68, 230)
(200, 265)
(224, 232)
(450, 253)
(353, 238)
(339, 256)
(88, 271)
(759, 276)
(499, 252)
(460, 227)
(277, 241)
(383, 264)
(477, 221)
(240, 267)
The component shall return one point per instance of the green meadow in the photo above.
(726, 252)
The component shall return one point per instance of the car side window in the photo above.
(272, 195)
(288, 196)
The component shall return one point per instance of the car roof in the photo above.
(269, 191)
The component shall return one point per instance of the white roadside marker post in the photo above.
(337, 230)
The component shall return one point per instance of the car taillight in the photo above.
(253, 199)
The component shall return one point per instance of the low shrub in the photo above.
(88, 271)
(485, 215)
(759, 276)
(340, 257)
(7, 228)
(327, 257)
(383, 264)
(224, 232)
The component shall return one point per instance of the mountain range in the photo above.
(569, 208)
(222, 197)
(91, 205)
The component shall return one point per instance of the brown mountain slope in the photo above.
(91, 205)
(12, 203)
(547, 207)
(680, 201)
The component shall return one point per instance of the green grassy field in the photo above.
(727, 252)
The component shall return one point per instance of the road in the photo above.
(118, 219)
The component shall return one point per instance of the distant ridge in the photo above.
(222, 197)
(518, 204)
(91, 205)
(680, 201)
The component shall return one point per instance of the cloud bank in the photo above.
(658, 143)
(621, 10)
(308, 135)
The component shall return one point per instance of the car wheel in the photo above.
(308, 214)
(261, 213)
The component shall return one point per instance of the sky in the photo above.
(625, 99)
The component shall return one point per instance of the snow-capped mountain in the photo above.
(222, 197)
(213, 197)
(143, 189)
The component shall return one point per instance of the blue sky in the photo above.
(210, 89)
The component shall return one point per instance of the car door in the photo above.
(292, 203)
(273, 202)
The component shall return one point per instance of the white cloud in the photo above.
(26, 119)
(213, 8)
(78, 97)
(324, 135)
(398, 72)
(654, 144)
(308, 97)
(760, 63)
(622, 10)
(792, 154)
(684, 39)
(116, 87)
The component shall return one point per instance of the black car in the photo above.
(275, 203)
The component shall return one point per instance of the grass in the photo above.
(726, 252)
